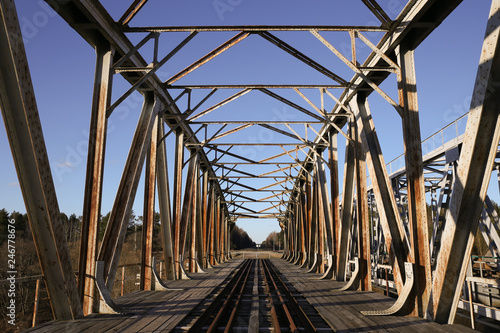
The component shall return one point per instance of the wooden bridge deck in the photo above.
(341, 309)
(163, 310)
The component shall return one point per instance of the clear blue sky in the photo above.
(62, 69)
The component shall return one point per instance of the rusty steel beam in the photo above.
(24, 132)
(477, 157)
(375, 8)
(149, 211)
(209, 56)
(347, 206)
(164, 203)
(193, 268)
(257, 86)
(149, 72)
(187, 211)
(301, 56)
(218, 105)
(177, 199)
(94, 178)
(362, 218)
(334, 192)
(324, 203)
(205, 199)
(199, 247)
(390, 218)
(256, 28)
(114, 235)
(129, 14)
(417, 206)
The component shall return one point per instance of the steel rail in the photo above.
(304, 318)
(236, 306)
(245, 272)
(271, 280)
(205, 316)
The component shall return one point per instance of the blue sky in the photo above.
(62, 69)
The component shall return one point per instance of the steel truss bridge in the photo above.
(213, 184)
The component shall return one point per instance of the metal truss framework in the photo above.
(213, 185)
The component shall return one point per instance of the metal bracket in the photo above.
(329, 271)
(354, 277)
(159, 285)
(403, 296)
(298, 259)
(306, 260)
(106, 303)
(184, 275)
(314, 266)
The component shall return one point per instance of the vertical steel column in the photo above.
(177, 199)
(193, 268)
(149, 211)
(24, 131)
(320, 222)
(305, 227)
(205, 217)
(362, 218)
(217, 230)
(303, 224)
(187, 209)
(324, 204)
(347, 205)
(310, 227)
(200, 238)
(479, 149)
(94, 179)
(417, 206)
(116, 229)
(211, 226)
(334, 188)
(164, 203)
(384, 194)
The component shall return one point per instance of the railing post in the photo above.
(37, 301)
(471, 305)
(123, 279)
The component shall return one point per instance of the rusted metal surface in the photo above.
(362, 218)
(417, 206)
(24, 132)
(164, 205)
(114, 235)
(94, 178)
(223, 47)
(129, 14)
(177, 199)
(479, 148)
(149, 211)
(347, 206)
(384, 195)
(256, 28)
(334, 192)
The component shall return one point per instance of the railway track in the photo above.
(255, 298)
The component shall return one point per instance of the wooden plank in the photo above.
(164, 309)
(341, 309)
